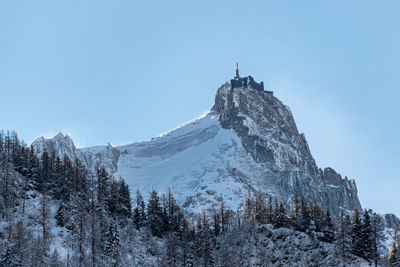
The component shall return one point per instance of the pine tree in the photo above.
(113, 199)
(187, 244)
(343, 238)
(393, 256)
(66, 174)
(112, 245)
(327, 228)
(103, 185)
(51, 181)
(41, 252)
(1, 141)
(165, 225)
(279, 218)
(139, 212)
(303, 220)
(260, 207)
(79, 221)
(7, 259)
(249, 209)
(61, 183)
(63, 215)
(356, 229)
(366, 237)
(136, 218)
(270, 209)
(8, 188)
(44, 218)
(317, 217)
(216, 222)
(378, 237)
(225, 216)
(22, 244)
(94, 225)
(295, 212)
(45, 175)
(205, 246)
(171, 257)
(174, 214)
(125, 201)
(101, 207)
(154, 215)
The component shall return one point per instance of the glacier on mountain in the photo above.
(248, 141)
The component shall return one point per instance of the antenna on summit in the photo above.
(237, 71)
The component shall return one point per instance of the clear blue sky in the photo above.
(123, 71)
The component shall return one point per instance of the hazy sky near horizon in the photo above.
(123, 71)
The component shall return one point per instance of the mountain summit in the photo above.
(248, 141)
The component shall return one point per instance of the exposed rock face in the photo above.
(249, 141)
(59, 145)
(391, 221)
(62, 146)
(101, 155)
(269, 133)
(348, 189)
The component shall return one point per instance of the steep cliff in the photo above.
(248, 141)
(269, 134)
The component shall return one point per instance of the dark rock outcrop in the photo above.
(269, 133)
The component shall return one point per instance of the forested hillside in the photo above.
(53, 213)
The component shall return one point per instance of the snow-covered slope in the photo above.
(60, 145)
(248, 141)
(197, 160)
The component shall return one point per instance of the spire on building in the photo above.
(237, 71)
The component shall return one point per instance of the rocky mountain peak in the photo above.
(249, 141)
(269, 133)
(59, 136)
(61, 145)
(264, 123)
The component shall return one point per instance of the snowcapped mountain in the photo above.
(60, 145)
(248, 141)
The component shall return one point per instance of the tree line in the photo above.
(99, 222)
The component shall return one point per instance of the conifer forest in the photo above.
(53, 212)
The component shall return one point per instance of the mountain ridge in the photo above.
(248, 141)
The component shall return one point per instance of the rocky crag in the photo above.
(248, 141)
(269, 133)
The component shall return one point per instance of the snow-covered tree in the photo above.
(112, 244)
(154, 215)
(356, 228)
(343, 238)
(378, 237)
(139, 212)
(279, 217)
(327, 228)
